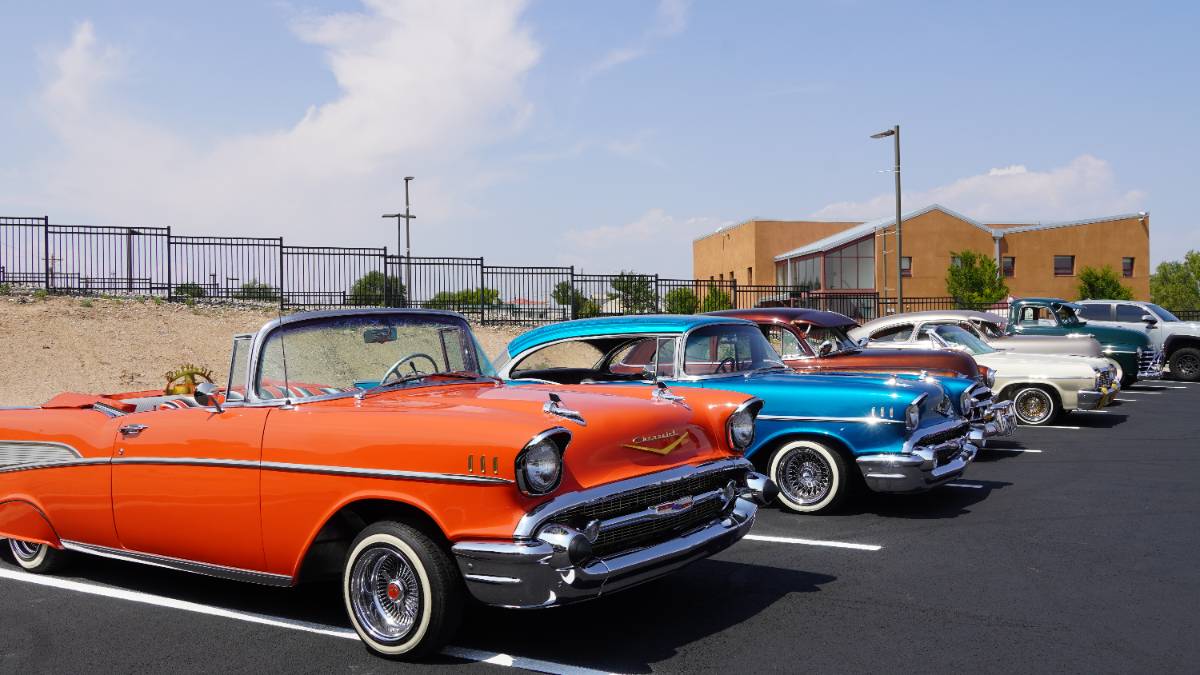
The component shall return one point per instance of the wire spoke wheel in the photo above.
(805, 476)
(25, 550)
(1033, 406)
(385, 593)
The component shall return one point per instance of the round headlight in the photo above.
(741, 429)
(991, 378)
(539, 467)
(965, 401)
(912, 416)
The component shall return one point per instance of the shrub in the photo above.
(375, 289)
(5, 289)
(1102, 284)
(680, 301)
(189, 291)
(41, 294)
(86, 302)
(974, 281)
(717, 299)
(257, 290)
(1175, 284)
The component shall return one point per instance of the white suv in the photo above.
(1178, 340)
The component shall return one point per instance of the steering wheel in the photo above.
(395, 369)
(721, 366)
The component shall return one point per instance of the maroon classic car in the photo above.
(814, 341)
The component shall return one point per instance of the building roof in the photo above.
(996, 231)
(644, 324)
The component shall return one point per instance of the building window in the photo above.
(1009, 265)
(750, 275)
(781, 270)
(1064, 265)
(1127, 267)
(731, 277)
(906, 266)
(851, 267)
(806, 273)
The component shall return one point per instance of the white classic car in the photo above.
(1041, 386)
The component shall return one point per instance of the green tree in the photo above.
(257, 290)
(469, 297)
(634, 292)
(680, 301)
(974, 281)
(717, 299)
(567, 295)
(374, 289)
(189, 291)
(1175, 284)
(1102, 284)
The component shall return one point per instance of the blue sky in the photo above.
(603, 135)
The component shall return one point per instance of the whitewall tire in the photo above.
(402, 591)
(1035, 406)
(812, 477)
(36, 558)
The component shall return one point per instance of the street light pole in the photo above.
(894, 132)
(407, 217)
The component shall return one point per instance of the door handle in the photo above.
(133, 429)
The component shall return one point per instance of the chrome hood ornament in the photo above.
(662, 393)
(555, 407)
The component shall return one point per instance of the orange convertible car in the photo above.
(376, 445)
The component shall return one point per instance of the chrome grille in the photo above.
(1149, 359)
(947, 435)
(645, 533)
(944, 456)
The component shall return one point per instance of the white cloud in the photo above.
(1084, 187)
(649, 243)
(670, 20)
(422, 84)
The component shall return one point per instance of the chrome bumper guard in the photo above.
(556, 567)
(1091, 399)
(998, 420)
(920, 469)
(1151, 366)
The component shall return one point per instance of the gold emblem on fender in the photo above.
(640, 443)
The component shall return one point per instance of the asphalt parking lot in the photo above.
(1063, 549)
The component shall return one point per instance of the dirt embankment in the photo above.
(102, 345)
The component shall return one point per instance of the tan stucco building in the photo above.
(1041, 259)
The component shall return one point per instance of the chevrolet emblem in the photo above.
(640, 442)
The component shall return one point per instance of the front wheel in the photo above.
(1035, 406)
(402, 591)
(1185, 364)
(37, 558)
(812, 477)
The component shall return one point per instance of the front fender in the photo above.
(22, 520)
(860, 438)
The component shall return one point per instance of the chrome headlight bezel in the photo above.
(739, 427)
(966, 402)
(912, 416)
(542, 451)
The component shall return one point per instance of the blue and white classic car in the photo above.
(903, 434)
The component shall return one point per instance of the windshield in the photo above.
(720, 349)
(957, 336)
(832, 339)
(988, 329)
(1066, 315)
(1163, 314)
(350, 353)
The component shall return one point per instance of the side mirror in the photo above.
(206, 395)
(825, 348)
(1149, 320)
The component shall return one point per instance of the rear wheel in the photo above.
(1035, 406)
(402, 592)
(1185, 364)
(37, 558)
(812, 477)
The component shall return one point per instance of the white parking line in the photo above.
(493, 658)
(964, 485)
(1051, 426)
(813, 542)
(1142, 392)
(1095, 412)
(1126, 400)
(1010, 449)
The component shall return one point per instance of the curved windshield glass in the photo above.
(1066, 315)
(728, 348)
(831, 340)
(355, 352)
(957, 336)
(1163, 314)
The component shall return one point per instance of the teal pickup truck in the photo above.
(1131, 349)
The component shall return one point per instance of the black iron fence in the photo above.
(95, 260)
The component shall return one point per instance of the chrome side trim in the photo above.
(813, 418)
(179, 564)
(487, 579)
(390, 474)
(542, 513)
(85, 461)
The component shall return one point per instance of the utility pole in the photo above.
(894, 132)
(407, 218)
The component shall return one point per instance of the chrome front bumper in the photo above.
(920, 469)
(1091, 399)
(1151, 368)
(998, 420)
(551, 570)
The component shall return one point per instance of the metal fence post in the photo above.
(733, 288)
(46, 250)
(282, 295)
(169, 247)
(573, 308)
(483, 306)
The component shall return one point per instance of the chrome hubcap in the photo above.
(1033, 406)
(804, 476)
(25, 550)
(385, 593)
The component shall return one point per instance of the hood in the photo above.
(1006, 363)
(616, 417)
(1078, 345)
(1127, 339)
(914, 360)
